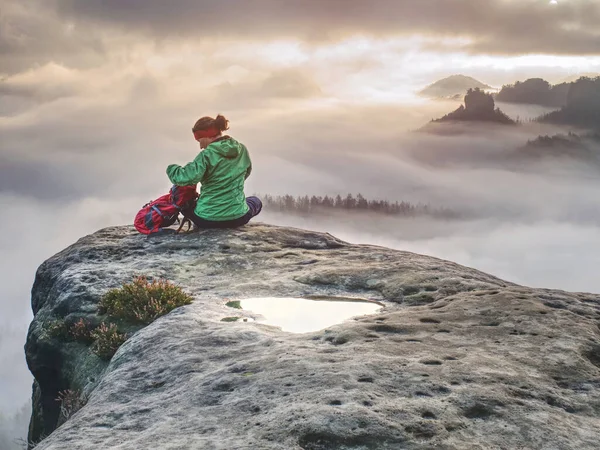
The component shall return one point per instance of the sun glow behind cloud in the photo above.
(356, 69)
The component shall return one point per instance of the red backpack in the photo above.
(164, 211)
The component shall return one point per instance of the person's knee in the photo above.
(255, 205)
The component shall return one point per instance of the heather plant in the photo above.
(81, 331)
(143, 301)
(29, 444)
(71, 401)
(58, 329)
(107, 340)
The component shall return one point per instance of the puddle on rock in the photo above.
(301, 315)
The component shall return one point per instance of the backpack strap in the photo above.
(154, 208)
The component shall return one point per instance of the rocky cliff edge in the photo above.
(455, 359)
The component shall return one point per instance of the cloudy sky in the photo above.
(97, 97)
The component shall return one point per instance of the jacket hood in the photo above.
(226, 147)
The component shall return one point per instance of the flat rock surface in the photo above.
(455, 359)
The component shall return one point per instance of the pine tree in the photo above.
(349, 202)
(289, 202)
(315, 202)
(339, 203)
(361, 202)
(303, 204)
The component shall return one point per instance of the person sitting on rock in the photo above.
(222, 168)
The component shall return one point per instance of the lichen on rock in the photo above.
(455, 359)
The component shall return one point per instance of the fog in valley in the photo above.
(86, 139)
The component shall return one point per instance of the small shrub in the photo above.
(71, 401)
(230, 319)
(27, 444)
(234, 304)
(107, 340)
(81, 331)
(143, 301)
(58, 329)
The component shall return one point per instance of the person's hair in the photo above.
(219, 122)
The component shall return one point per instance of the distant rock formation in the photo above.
(535, 91)
(454, 86)
(479, 107)
(582, 108)
(573, 78)
(582, 148)
(455, 359)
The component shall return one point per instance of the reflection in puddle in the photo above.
(300, 315)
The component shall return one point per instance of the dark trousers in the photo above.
(254, 205)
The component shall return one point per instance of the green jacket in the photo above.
(222, 168)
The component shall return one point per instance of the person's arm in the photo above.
(249, 169)
(190, 174)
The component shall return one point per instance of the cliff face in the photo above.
(479, 107)
(456, 358)
(582, 108)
